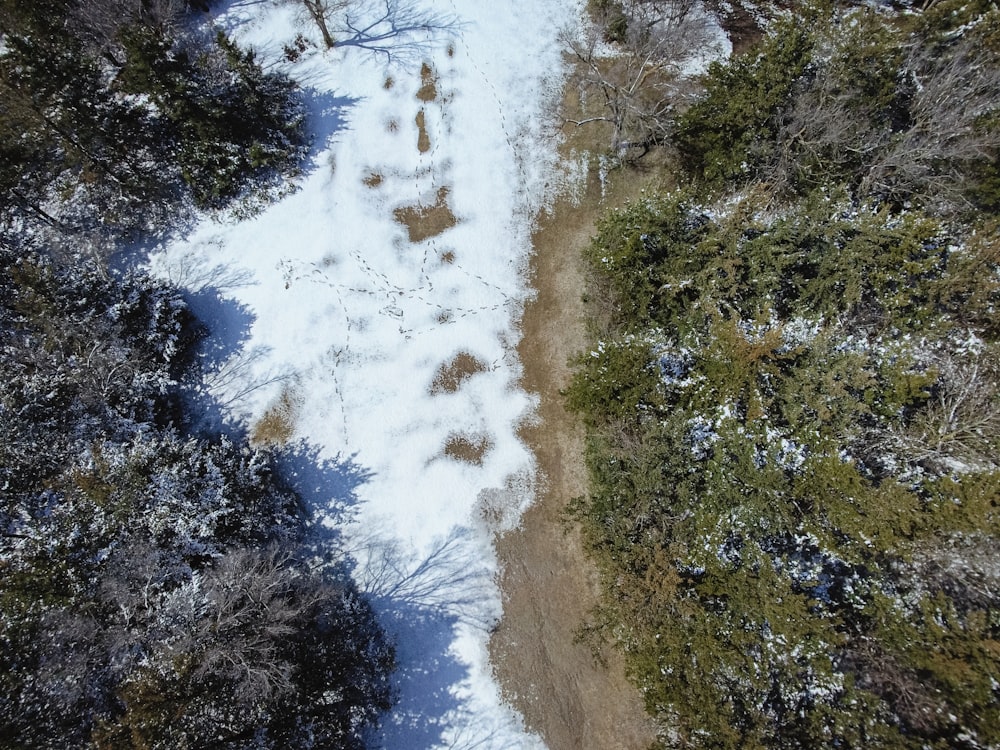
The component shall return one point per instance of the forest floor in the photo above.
(572, 698)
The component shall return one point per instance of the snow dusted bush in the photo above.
(117, 115)
(793, 469)
(152, 591)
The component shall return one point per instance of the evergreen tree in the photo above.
(153, 593)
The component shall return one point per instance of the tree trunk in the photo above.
(318, 10)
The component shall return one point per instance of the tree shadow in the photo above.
(225, 368)
(328, 491)
(421, 599)
(398, 30)
(225, 326)
(327, 115)
(426, 673)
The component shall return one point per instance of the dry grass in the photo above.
(428, 84)
(470, 449)
(423, 139)
(451, 375)
(372, 180)
(548, 583)
(277, 426)
(427, 221)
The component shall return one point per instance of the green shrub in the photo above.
(727, 136)
(763, 485)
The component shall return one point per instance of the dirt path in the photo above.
(548, 584)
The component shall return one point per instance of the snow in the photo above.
(322, 307)
(325, 309)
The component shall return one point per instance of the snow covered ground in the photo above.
(373, 315)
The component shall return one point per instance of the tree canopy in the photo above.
(117, 112)
(158, 588)
(792, 398)
(156, 591)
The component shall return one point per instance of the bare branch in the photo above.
(960, 422)
(638, 84)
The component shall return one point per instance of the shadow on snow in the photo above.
(421, 598)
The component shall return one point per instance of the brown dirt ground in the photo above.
(423, 139)
(423, 221)
(277, 425)
(468, 448)
(452, 374)
(549, 586)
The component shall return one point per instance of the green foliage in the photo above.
(107, 136)
(896, 109)
(616, 378)
(754, 406)
(642, 258)
(62, 132)
(726, 136)
(203, 104)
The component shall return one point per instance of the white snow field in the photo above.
(374, 313)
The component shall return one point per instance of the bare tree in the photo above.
(944, 94)
(392, 28)
(882, 673)
(321, 12)
(233, 623)
(254, 604)
(964, 565)
(639, 83)
(961, 420)
(953, 93)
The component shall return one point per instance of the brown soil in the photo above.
(277, 425)
(452, 374)
(428, 84)
(423, 139)
(741, 20)
(471, 449)
(548, 583)
(422, 221)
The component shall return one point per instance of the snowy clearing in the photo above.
(372, 316)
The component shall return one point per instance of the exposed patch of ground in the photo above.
(451, 375)
(422, 221)
(428, 84)
(549, 585)
(372, 179)
(471, 449)
(277, 425)
(744, 21)
(423, 139)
